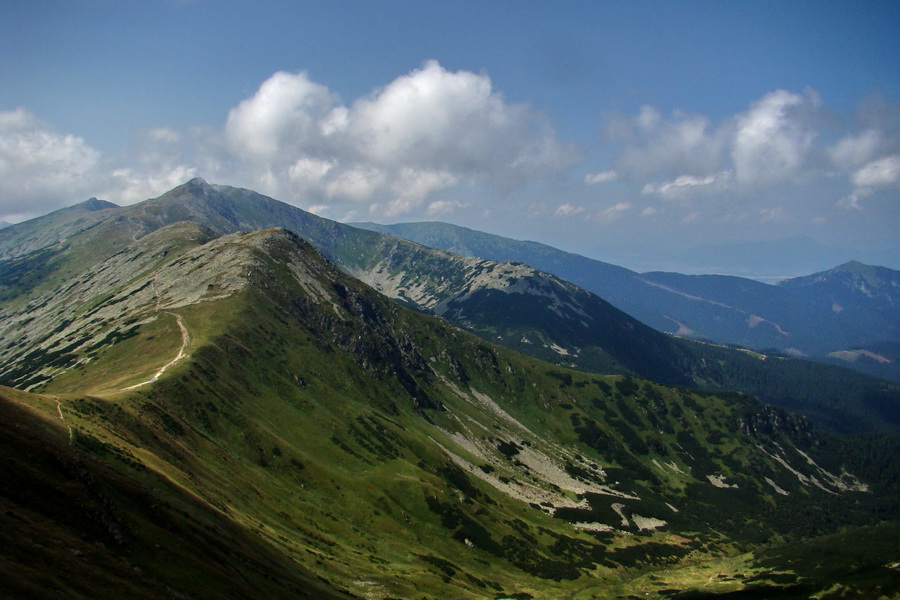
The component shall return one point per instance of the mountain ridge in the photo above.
(725, 309)
(515, 312)
(317, 435)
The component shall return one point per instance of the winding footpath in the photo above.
(185, 340)
(61, 418)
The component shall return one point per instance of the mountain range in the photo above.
(849, 314)
(763, 260)
(508, 303)
(212, 394)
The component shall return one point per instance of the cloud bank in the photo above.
(435, 143)
(37, 164)
(423, 133)
(767, 144)
(786, 157)
(386, 153)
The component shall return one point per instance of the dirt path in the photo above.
(63, 419)
(185, 340)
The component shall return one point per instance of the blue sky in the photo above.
(632, 132)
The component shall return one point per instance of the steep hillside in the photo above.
(257, 423)
(81, 519)
(797, 316)
(522, 308)
(838, 399)
(615, 284)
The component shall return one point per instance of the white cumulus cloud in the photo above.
(455, 122)
(877, 173)
(318, 209)
(357, 183)
(282, 120)
(394, 149)
(610, 214)
(128, 185)
(654, 144)
(602, 177)
(567, 210)
(424, 132)
(42, 169)
(773, 138)
(39, 165)
(414, 185)
(768, 143)
(445, 207)
(686, 186)
(855, 150)
(308, 172)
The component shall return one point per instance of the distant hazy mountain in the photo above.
(853, 287)
(230, 415)
(763, 260)
(803, 316)
(775, 258)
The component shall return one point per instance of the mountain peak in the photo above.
(851, 265)
(850, 283)
(93, 204)
(853, 268)
(196, 185)
(191, 186)
(856, 270)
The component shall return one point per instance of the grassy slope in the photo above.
(82, 520)
(840, 400)
(309, 430)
